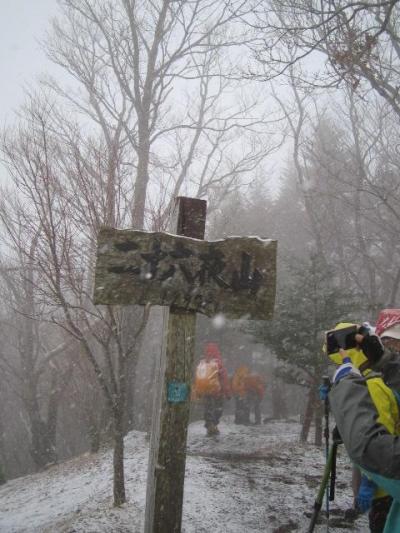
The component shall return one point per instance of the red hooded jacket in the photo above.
(212, 352)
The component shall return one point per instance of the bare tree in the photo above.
(29, 361)
(335, 41)
(348, 187)
(63, 259)
(134, 62)
(372, 134)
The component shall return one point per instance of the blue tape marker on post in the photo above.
(177, 392)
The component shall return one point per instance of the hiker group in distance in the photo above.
(212, 386)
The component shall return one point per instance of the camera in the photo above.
(341, 338)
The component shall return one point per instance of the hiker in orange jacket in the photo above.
(248, 389)
(255, 387)
(239, 391)
(212, 385)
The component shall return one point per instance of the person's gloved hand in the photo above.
(323, 391)
(345, 368)
(365, 494)
(372, 348)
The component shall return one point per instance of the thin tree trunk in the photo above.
(118, 459)
(278, 401)
(38, 446)
(2, 453)
(94, 436)
(52, 418)
(318, 424)
(308, 415)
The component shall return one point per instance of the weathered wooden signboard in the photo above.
(235, 276)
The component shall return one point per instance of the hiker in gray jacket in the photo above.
(367, 416)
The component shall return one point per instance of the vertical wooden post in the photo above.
(166, 470)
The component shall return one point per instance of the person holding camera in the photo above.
(366, 412)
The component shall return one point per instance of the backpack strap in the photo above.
(397, 396)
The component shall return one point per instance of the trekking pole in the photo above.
(322, 489)
(333, 473)
(326, 383)
(336, 439)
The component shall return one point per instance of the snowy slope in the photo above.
(247, 480)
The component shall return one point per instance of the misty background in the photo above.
(107, 121)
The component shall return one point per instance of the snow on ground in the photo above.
(248, 479)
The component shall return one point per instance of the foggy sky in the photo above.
(22, 24)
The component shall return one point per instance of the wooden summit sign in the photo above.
(235, 276)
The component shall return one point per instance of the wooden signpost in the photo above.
(235, 276)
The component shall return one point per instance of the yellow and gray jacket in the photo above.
(367, 416)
